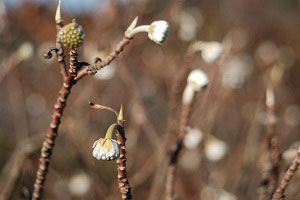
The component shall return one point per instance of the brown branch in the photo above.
(99, 64)
(279, 192)
(271, 174)
(170, 182)
(48, 143)
(123, 182)
(175, 97)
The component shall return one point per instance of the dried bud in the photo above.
(72, 35)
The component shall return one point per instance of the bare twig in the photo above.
(175, 95)
(271, 176)
(279, 192)
(101, 107)
(123, 182)
(170, 182)
(91, 69)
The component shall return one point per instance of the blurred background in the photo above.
(226, 150)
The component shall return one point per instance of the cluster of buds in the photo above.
(158, 31)
(107, 148)
(72, 35)
(197, 81)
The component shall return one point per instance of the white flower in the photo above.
(215, 149)
(210, 51)
(157, 31)
(79, 184)
(106, 149)
(197, 80)
(192, 138)
(25, 51)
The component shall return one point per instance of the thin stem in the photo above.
(170, 182)
(279, 192)
(175, 97)
(101, 107)
(143, 28)
(271, 176)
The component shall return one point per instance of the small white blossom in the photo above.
(157, 31)
(106, 149)
(192, 138)
(215, 149)
(79, 184)
(198, 79)
(210, 51)
(25, 51)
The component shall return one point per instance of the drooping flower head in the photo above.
(107, 148)
(159, 31)
(197, 81)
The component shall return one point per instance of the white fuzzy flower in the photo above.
(210, 51)
(25, 51)
(157, 31)
(197, 80)
(106, 149)
(192, 138)
(215, 149)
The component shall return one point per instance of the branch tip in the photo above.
(58, 17)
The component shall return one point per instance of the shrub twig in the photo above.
(279, 192)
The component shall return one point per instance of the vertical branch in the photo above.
(49, 142)
(170, 182)
(270, 181)
(175, 95)
(123, 182)
(279, 192)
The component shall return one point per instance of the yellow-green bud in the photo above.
(72, 35)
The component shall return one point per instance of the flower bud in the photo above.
(72, 35)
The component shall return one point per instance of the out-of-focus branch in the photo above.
(271, 176)
(279, 192)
